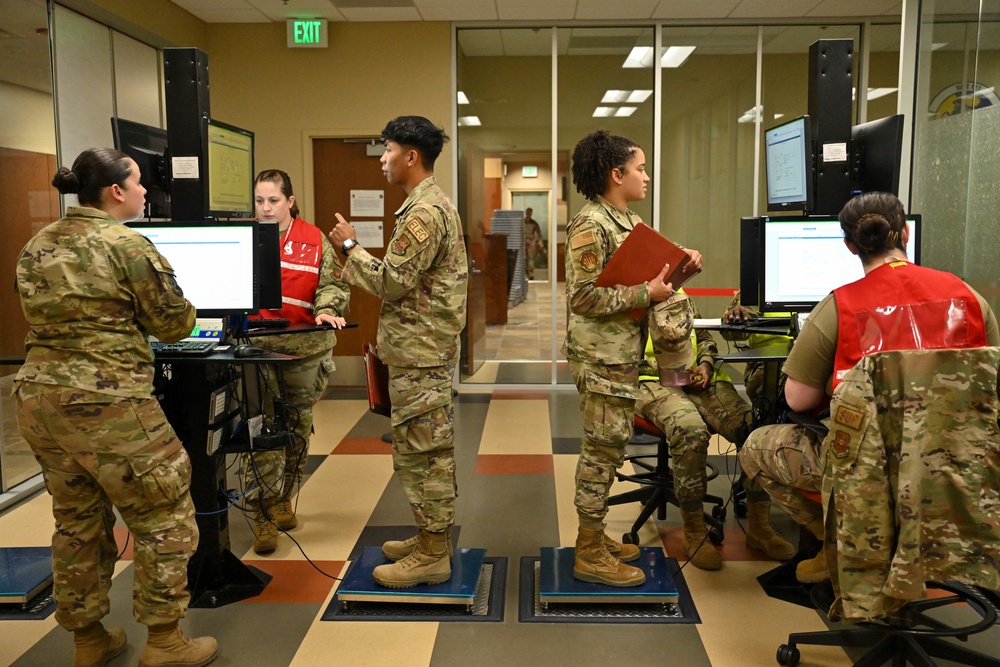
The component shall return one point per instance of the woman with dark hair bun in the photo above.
(91, 290)
(312, 293)
(940, 307)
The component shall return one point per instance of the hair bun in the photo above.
(67, 181)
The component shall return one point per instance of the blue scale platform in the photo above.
(24, 571)
(359, 586)
(557, 584)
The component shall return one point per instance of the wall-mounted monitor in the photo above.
(214, 262)
(804, 258)
(229, 167)
(147, 145)
(876, 149)
(789, 164)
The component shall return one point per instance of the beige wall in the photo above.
(368, 75)
(156, 22)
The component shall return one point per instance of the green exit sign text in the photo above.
(307, 33)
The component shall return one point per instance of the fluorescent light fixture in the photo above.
(675, 56)
(875, 93)
(750, 115)
(778, 115)
(625, 111)
(938, 45)
(462, 99)
(603, 112)
(642, 56)
(630, 96)
(469, 121)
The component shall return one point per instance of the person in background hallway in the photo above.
(422, 281)
(91, 289)
(604, 345)
(533, 243)
(682, 409)
(786, 458)
(311, 293)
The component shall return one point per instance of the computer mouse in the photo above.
(247, 351)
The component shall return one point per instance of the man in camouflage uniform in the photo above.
(90, 289)
(604, 344)
(682, 408)
(422, 282)
(914, 466)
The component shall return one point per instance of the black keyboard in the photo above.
(268, 323)
(761, 322)
(191, 347)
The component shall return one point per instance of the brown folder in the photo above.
(377, 378)
(641, 257)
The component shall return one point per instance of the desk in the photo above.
(216, 576)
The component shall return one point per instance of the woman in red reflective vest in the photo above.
(896, 306)
(311, 293)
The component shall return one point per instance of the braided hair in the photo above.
(595, 157)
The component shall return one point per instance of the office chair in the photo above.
(656, 490)
(911, 480)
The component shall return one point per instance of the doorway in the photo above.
(537, 259)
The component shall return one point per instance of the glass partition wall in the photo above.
(696, 98)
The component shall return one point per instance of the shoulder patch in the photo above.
(840, 443)
(400, 245)
(582, 239)
(588, 261)
(848, 416)
(420, 233)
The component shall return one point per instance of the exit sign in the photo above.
(307, 33)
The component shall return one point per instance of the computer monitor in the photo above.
(147, 145)
(229, 166)
(269, 266)
(750, 244)
(213, 262)
(876, 149)
(804, 258)
(789, 164)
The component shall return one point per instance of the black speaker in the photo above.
(831, 83)
(186, 77)
(750, 268)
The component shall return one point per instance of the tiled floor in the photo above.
(516, 455)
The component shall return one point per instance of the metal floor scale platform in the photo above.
(359, 585)
(557, 584)
(24, 572)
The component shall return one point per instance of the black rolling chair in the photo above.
(657, 487)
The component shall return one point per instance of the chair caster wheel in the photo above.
(716, 536)
(630, 538)
(740, 509)
(788, 655)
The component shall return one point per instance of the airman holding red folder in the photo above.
(604, 344)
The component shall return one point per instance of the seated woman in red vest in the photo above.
(311, 293)
(896, 306)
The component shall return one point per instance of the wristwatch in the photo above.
(348, 244)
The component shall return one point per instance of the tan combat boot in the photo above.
(265, 534)
(695, 544)
(167, 646)
(761, 534)
(95, 646)
(283, 515)
(626, 553)
(815, 569)
(429, 563)
(399, 549)
(593, 563)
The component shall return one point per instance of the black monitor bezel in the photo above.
(805, 204)
(218, 213)
(268, 261)
(139, 225)
(873, 144)
(153, 172)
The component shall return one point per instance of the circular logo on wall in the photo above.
(957, 98)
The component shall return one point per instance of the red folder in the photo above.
(377, 377)
(641, 257)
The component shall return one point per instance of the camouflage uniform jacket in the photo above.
(422, 281)
(912, 468)
(331, 298)
(91, 289)
(600, 330)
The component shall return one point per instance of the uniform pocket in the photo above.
(162, 477)
(609, 408)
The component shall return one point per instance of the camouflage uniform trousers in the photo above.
(423, 442)
(686, 416)
(607, 402)
(784, 459)
(96, 451)
(277, 472)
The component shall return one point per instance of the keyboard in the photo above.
(268, 323)
(189, 347)
(761, 322)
